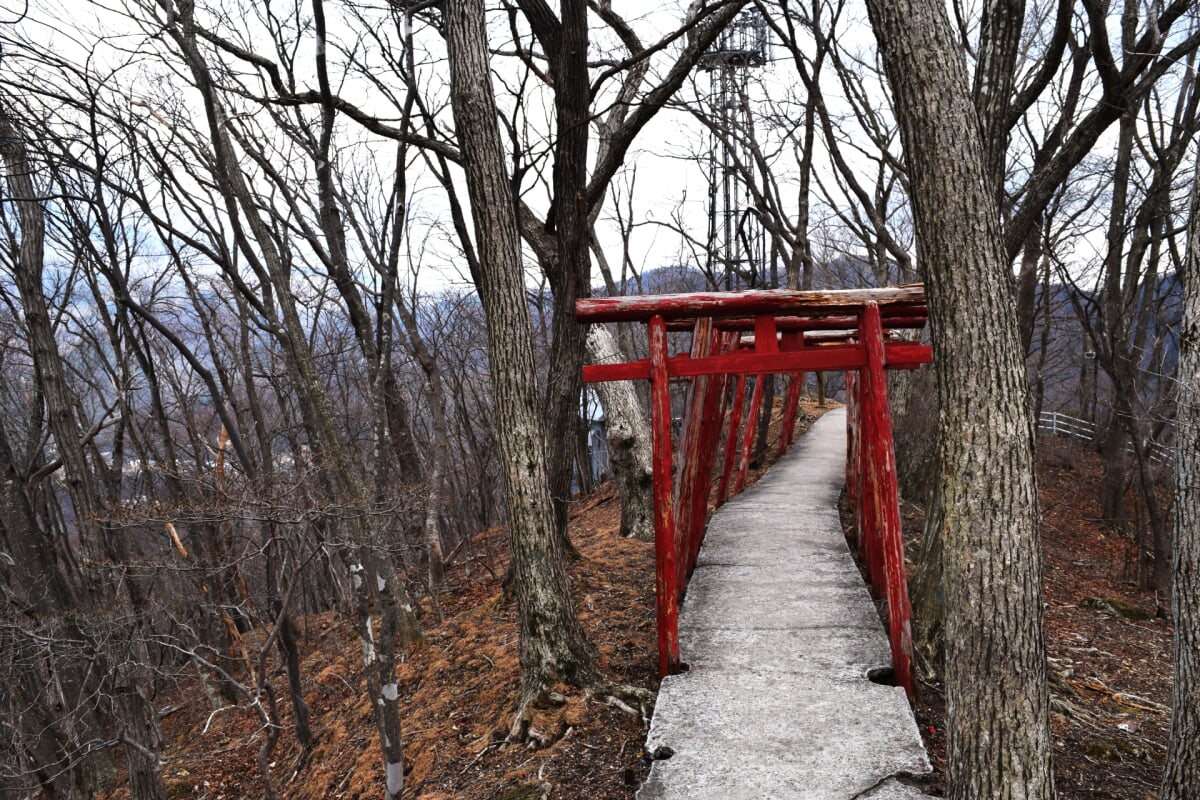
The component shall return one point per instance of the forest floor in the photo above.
(1109, 656)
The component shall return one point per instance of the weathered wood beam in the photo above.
(914, 319)
(751, 303)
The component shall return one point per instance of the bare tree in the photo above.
(553, 644)
(1181, 776)
(997, 699)
(628, 450)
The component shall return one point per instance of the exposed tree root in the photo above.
(632, 700)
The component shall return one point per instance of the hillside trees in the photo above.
(105, 586)
(232, 345)
(559, 236)
(1124, 319)
(265, 244)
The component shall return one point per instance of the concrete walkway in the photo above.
(780, 634)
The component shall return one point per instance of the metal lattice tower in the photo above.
(736, 238)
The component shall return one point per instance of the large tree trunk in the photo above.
(997, 699)
(552, 642)
(628, 439)
(1181, 777)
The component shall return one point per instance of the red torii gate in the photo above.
(793, 332)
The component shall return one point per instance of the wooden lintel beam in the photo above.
(913, 318)
(751, 303)
(899, 355)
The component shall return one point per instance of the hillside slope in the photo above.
(457, 691)
(1110, 657)
(1110, 662)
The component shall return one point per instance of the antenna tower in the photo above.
(736, 238)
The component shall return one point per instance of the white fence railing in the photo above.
(1061, 424)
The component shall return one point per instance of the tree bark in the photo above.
(628, 439)
(995, 76)
(998, 735)
(570, 271)
(1181, 775)
(552, 642)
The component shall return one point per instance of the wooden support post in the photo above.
(666, 573)
(851, 448)
(731, 441)
(880, 467)
(698, 452)
(867, 516)
(714, 413)
(748, 435)
(691, 454)
(791, 406)
(766, 335)
(792, 341)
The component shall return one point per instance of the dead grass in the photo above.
(457, 690)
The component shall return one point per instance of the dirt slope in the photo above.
(1110, 659)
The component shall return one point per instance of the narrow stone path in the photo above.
(781, 635)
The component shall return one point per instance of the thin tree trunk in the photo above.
(628, 439)
(763, 426)
(1027, 280)
(1113, 341)
(1039, 394)
(552, 642)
